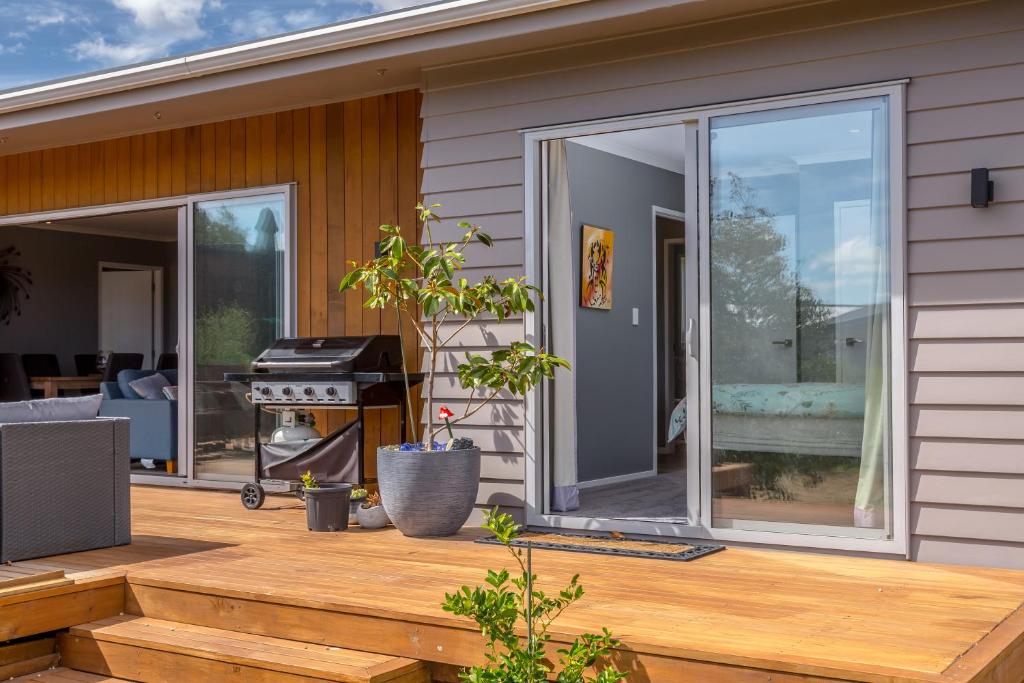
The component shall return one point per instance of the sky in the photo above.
(42, 40)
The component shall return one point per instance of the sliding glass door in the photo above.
(747, 323)
(797, 397)
(240, 274)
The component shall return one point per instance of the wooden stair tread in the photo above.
(62, 675)
(247, 650)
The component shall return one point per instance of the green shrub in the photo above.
(509, 606)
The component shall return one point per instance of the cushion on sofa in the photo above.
(66, 409)
(150, 388)
(125, 379)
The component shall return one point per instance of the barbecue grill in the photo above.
(330, 373)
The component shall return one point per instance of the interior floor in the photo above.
(659, 497)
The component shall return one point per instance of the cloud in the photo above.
(156, 25)
(46, 17)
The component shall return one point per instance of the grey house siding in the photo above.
(965, 108)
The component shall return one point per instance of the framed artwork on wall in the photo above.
(596, 261)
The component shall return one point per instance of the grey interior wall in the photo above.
(614, 359)
(62, 314)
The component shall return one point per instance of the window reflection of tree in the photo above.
(751, 273)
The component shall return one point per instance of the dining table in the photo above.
(52, 386)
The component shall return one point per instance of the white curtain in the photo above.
(561, 308)
(870, 503)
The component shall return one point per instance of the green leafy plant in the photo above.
(223, 336)
(509, 606)
(309, 481)
(419, 281)
(358, 494)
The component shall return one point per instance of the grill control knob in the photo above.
(266, 391)
(287, 391)
(332, 392)
(308, 391)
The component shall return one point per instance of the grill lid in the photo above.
(375, 353)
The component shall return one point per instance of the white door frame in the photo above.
(665, 264)
(157, 346)
(696, 122)
(184, 204)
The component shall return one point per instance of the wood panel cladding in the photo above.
(355, 165)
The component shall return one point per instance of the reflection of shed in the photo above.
(267, 262)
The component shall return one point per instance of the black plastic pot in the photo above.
(327, 507)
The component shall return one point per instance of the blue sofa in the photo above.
(154, 422)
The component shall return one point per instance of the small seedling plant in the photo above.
(419, 281)
(309, 481)
(509, 606)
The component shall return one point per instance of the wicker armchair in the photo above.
(64, 487)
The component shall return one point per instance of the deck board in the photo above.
(821, 615)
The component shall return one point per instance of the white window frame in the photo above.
(697, 121)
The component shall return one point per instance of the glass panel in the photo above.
(799, 253)
(239, 310)
(616, 311)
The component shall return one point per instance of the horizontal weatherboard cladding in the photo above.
(965, 289)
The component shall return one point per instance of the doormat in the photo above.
(610, 545)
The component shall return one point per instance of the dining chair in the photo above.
(14, 384)
(85, 364)
(116, 362)
(40, 364)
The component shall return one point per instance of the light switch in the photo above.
(636, 317)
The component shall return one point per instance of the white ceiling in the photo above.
(661, 147)
(156, 224)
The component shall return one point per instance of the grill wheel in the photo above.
(253, 496)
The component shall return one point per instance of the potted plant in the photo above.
(326, 505)
(371, 514)
(429, 487)
(358, 496)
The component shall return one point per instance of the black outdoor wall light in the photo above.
(981, 188)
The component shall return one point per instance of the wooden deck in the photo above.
(741, 615)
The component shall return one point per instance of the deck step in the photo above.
(145, 649)
(62, 675)
(26, 657)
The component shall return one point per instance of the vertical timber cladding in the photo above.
(355, 165)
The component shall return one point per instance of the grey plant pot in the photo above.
(327, 507)
(372, 518)
(428, 493)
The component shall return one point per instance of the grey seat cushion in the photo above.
(67, 409)
(150, 387)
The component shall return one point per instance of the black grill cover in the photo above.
(334, 459)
